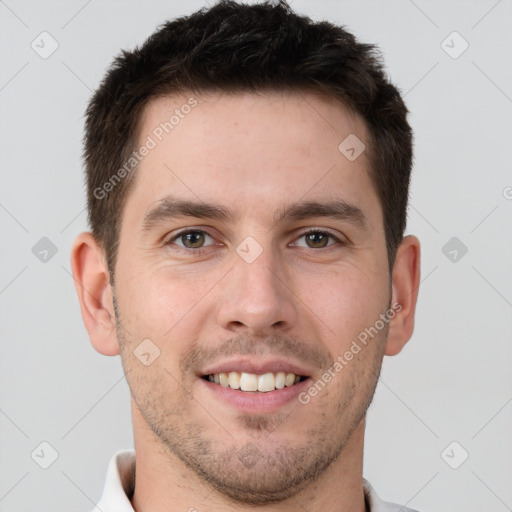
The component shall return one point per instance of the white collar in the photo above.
(120, 483)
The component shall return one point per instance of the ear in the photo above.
(92, 283)
(405, 283)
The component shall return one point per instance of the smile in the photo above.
(252, 382)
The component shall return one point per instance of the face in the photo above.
(252, 255)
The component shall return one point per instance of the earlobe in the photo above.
(91, 277)
(406, 279)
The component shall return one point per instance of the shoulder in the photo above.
(119, 483)
(375, 504)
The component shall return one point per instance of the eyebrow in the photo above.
(171, 207)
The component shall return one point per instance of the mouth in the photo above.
(253, 382)
(254, 385)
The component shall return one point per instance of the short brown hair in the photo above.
(234, 47)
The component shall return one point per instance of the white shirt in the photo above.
(120, 483)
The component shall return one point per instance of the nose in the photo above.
(257, 298)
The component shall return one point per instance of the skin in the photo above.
(306, 303)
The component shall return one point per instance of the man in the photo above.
(247, 174)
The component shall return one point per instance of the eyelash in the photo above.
(199, 251)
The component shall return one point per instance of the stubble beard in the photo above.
(255, 465)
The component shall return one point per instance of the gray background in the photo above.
(453, 380)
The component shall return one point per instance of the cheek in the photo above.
(343, 303)
(163, 302)
(344, 296)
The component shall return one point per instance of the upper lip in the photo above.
(257, 366)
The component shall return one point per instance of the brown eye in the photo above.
(317, 239)
(190, 239)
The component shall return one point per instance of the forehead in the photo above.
(251, 151)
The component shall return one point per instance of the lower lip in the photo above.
(256, 401)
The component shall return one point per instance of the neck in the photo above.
(165, 484)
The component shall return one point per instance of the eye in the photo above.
(194, 240)
(191, 239)
(317, 239)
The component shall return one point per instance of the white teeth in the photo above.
(280, 380)
(252, 382)
(266, 382)
(224, 380)
(248, 382)
(234, 380)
